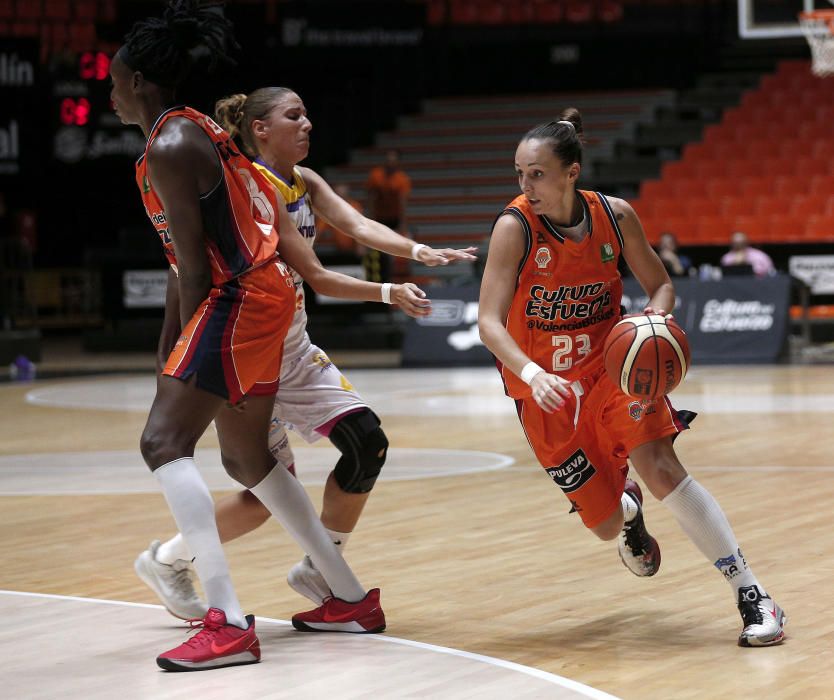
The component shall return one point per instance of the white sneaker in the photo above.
(172, 584)
(764, 621)
(639, 551)
(306, 579)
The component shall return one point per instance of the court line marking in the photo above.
(729, 470)
(566, 683)
(493, 461)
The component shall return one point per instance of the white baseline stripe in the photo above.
(567, 683)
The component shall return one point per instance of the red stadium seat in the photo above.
(820, 228)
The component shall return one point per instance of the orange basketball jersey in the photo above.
(239, 219)
(568, 294)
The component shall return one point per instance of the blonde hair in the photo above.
(236, 113)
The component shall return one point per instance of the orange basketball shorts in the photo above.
(583, 447)
(233, 342)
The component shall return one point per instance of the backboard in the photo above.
(774, 19)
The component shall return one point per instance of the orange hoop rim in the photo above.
(821, 15)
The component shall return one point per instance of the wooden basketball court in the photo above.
(490, 587)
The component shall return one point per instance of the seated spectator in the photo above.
(742, 253)
(676, 265)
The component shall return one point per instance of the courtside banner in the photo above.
(730, 321)
(450, 335)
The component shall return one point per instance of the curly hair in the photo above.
(166, 49)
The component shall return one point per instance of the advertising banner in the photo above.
(730, 321)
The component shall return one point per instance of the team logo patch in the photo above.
(146, 186)
(635, 410)
(543, 257)
(540, 237)
(346, 385)
(573, 473)
(606, 252)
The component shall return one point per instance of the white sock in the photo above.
(702, 519)
(630, 507)
(339, 538)
(173, 550)
(193, 510)
(287, 500)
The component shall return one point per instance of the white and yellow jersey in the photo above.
(300, 209)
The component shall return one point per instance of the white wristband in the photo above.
(530, 370)
(416, 248)
(386, 293)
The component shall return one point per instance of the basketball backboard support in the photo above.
(774, 19)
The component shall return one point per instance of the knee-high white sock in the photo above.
(172, 550)
(339, 538)
(193, 510)
(702, 519)
(287, 500)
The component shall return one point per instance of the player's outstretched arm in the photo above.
(372, 234)
(300, 256)
(647, 267)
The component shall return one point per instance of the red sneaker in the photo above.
(216, 645)
(337, 615)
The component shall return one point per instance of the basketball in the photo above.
(646, 356)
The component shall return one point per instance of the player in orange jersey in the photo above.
(314, 399)
(550, 294)
(219, 221)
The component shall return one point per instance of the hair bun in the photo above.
(185, 30)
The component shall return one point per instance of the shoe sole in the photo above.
(345, 627)
(241, 659)
(150, 582)
(754, 642)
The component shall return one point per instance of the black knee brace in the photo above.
(363, 445)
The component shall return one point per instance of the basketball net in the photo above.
(818, 27)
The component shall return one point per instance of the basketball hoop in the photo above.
(818, 27)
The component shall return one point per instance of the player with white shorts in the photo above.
(314, 398)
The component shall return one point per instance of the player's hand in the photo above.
(549, 391)
(655, 311)
(443, 256)
(411, 299)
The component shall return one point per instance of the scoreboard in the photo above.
(84, 126)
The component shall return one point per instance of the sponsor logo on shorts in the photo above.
(322, 360)
(573, 473)
(728, 567)
(644, 407)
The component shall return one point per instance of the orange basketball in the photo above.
(646, 356)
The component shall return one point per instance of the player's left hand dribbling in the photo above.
(411, 299)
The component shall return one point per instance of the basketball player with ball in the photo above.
(550, 299)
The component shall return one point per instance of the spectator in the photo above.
(676, 265)
(742, 253)
(388, 190)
